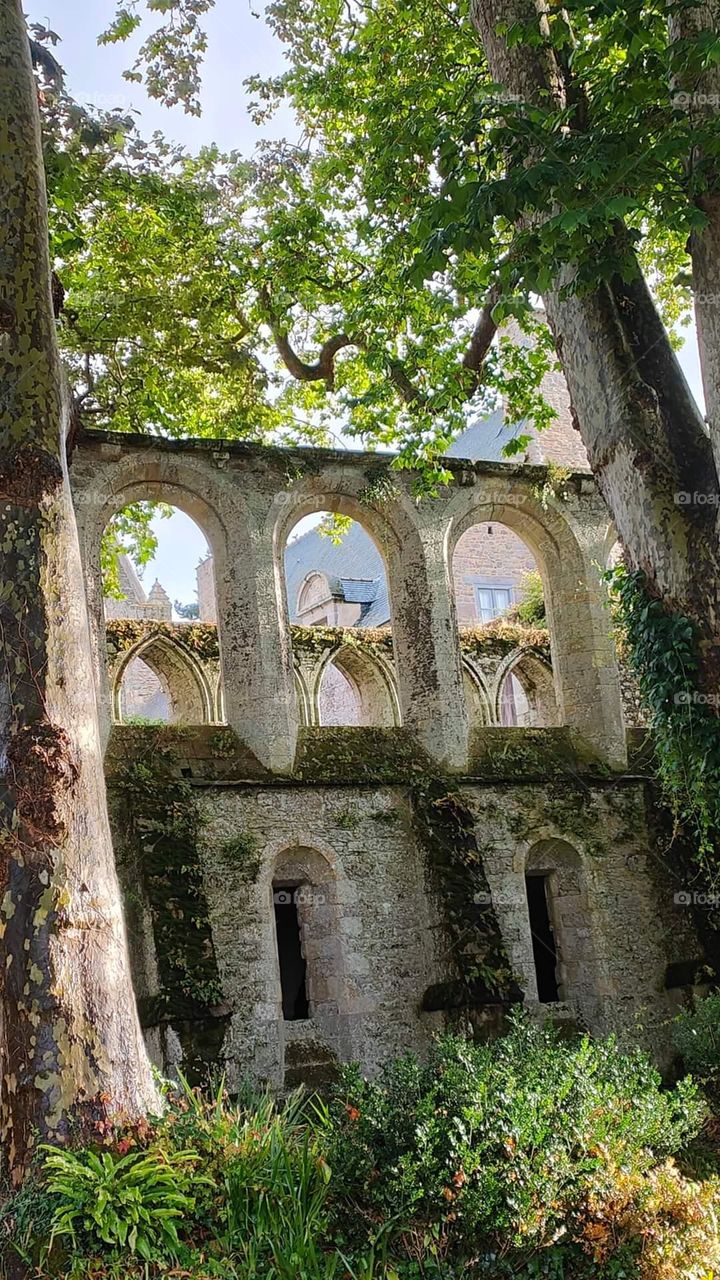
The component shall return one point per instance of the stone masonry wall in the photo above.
(374, 920)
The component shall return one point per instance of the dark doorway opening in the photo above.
(543, 939)
(293, 969)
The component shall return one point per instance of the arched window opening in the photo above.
(157, 566)
(335, 574)
(310, 971)
(526, 696)
(339, 700)
(559, 915)
(291, 959)
(158, 569)
(163, 681)
(144, 695)
(545, 956)
(355, 690)
(496, 579)
(335, 577)
(493, 571)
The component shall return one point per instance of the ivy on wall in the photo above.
(662, 649)
(445, 826)
(158, 831)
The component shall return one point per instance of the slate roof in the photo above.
(355, 567)
(483, 441)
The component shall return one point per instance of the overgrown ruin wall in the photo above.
(408, 843)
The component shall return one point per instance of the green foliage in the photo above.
(662, 648)
(134, 1201)
(446, 828)
(129, 532)
(490, 1151)
(530, 608)
(427, 190)
(532, 1156)
(160, 833)
(696, 1034)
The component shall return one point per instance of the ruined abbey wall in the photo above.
(412, 842)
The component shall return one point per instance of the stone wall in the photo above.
(410, 835)
(375, 918)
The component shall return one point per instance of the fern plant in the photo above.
(128, 1202)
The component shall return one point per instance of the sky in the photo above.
(240, 44)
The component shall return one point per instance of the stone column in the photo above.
(427, 654)
(256, 656)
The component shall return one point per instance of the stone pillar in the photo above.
(256, 656)
(427, 654)
(587, 679)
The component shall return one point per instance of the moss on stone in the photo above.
(445, 827)
(159, 828)
(352, 754)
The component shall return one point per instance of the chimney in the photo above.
(560, 442)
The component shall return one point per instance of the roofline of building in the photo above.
(253, 450)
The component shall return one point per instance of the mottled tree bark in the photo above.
(71, 1045)
(643, 432)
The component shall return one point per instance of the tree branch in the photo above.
(481, 339)
(323, 369)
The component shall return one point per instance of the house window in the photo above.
(545, 954)
(293, 968)
(492, 601)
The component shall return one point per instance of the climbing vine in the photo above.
(662, 649)
(160, 826)
(446, 829)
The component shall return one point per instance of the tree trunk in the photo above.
(643, 432)
(72, 1050)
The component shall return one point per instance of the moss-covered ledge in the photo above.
(493, 639)
(208, 754)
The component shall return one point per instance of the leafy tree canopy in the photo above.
(354, 279)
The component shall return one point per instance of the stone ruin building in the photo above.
(337, 832)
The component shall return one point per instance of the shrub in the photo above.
(532, 1157)
(493, 1148)
(530, 608)
(133, 1201)
(696, 1034)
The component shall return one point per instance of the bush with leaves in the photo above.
(491, 1150)
(696, 1035)
(534, 1156)
(530, 608)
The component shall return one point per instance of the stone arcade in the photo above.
(342, 893)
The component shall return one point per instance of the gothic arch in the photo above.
(303, 698)
(371, 680)
(180, 674)
(476, 695)
(587, 690)
(535, 675)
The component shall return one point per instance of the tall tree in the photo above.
(71, 1044)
